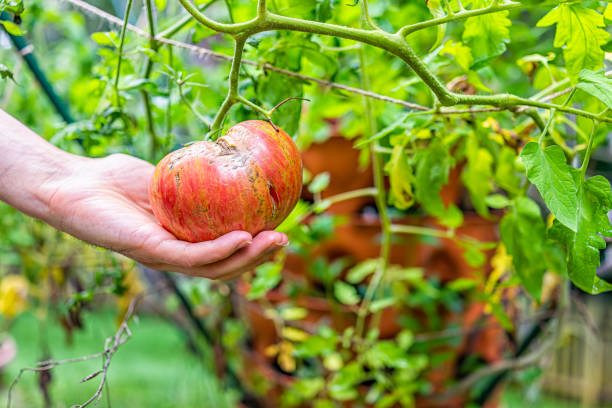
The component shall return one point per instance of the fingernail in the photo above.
(245, 244)
(282, 244)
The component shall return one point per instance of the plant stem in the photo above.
(183, 21)
(254, 106)
(169, 107)
(128, 8)
(232, 95)
(366, 17)
(494, 8)
(192, 108)
(381, 204)
(262, 9)
(213, 25)
(589, 150)
(146, 98)
(432, 232)
(394, 44)
(229, 11)
(552, 115)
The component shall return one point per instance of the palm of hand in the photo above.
(105, 202)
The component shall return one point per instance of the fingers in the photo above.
(192, 256)
(224, 258)
(264, 246)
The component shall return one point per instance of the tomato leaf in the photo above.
(437, 10)
(267, 276)
(548, 171)
(596, 84)
(477, 175)
(319, 183)
(433, 166)
(487, 35)
(581, 31)
(461, 52)
(583, 245)
(345, 293)
(161, 4)
(5, 72)
(401, 179)
(523, 233)
(608, 12)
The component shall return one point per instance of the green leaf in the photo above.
(5, 72)
(109, 38)
(436, 10)
(584, 245)
(462, 284)
(608, 12)
(461, 52)
(548, 171)
(523, 233)
(581, 31)
(267, 276)
(11, 27)
(500, 313)
(293, 313)
(319, 183)
(497, 201)
(597, 85)
(477, 175)
(401, 179)
(380, 304)
(345, 293)
(432, 172)
(161, 4)
(359, 272)
(487, 35)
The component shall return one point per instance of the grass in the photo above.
(153, 369)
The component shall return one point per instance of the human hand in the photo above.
(105, 202)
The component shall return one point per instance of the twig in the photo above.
(128, 7)
(584, 313)
(496, 368)
(111, 345)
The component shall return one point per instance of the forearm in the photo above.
(30, 168)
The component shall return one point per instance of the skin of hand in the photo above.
(105, 202)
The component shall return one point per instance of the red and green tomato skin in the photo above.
(249, 180)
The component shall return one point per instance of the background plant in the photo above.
(504, 89)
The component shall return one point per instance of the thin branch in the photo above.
(191, 107)
(414, 230)
(213, 25)
(552, 115)
(498, 367)
(366, 17)
(494, 8)
(183, 21)
(146, 98)
(262, 8)
(111, 345)
(128, 8)
(232, 94)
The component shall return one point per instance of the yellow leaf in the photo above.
(293, 334)
(13, 295)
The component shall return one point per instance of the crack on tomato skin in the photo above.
(226, 147)
(177, 180)
(274, 198)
